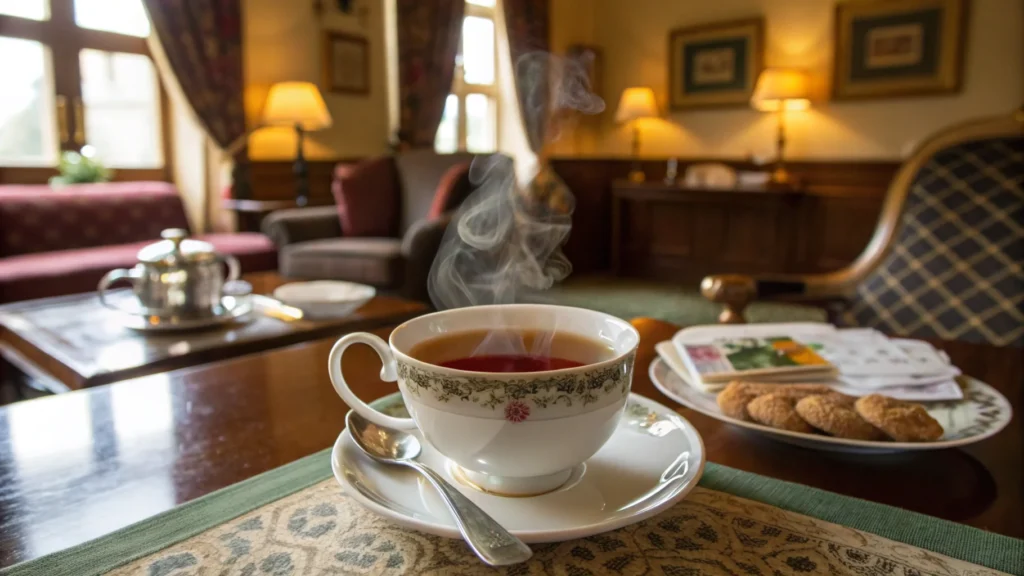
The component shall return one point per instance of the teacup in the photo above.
(509, 433)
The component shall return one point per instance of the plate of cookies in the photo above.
(817, 416)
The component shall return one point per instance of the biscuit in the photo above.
(777, 411)
(833, 415)
(902, 421)
(733, 399)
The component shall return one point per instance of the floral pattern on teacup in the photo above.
(519, 397)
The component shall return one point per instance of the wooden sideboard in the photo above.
(669, 232)
(823, 225)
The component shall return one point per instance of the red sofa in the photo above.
(62, 241)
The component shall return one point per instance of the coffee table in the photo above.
(71, 342)
(133, 449)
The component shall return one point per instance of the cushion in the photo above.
(374, 261)
(419, 174)
(367, 198)
(956, 268)
(451, 191)
(72, 271)
(37, 219)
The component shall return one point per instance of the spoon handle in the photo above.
(488, 539)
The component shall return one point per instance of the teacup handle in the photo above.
(388, 373)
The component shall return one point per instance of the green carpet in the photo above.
(628, 298)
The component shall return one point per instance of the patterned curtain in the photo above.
(428, 40)
(527, 22)
(203, 44)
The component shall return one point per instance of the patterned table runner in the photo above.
(322, 531)
(296, 520)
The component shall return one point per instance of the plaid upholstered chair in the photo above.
(947, 258)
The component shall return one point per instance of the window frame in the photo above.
(461, 89)
(65, 39)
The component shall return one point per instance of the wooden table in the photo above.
(130, 450)
(71, 342)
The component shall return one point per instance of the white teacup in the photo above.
(517, 433)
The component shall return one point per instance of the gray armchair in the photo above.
(396, 209)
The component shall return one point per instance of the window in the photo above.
(470, 119)
(78, 72)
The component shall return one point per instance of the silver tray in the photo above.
(231, 309)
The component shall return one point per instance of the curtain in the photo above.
(203, 45)
(527, 24)
(428, 40)
(197, 49)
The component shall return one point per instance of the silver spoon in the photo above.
(492, 543)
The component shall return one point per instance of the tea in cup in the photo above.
(516, 396)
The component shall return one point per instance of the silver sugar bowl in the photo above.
(176, 277)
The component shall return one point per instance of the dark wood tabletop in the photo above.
(79, 465)
(72, 342)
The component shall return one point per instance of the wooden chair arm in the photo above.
(736, 291)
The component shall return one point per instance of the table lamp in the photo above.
(779, 90)
(297, 104)
(636, 103)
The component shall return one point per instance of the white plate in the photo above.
(651, 462)
(982, 413)
(232, 309)
(325, 298)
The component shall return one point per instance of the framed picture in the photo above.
(898, 48)
(346, 63)
(715, 65)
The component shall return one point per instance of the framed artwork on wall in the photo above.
(346, 63)
(898, 48)
(715, 65)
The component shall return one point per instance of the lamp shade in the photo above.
(637, 102)
(781, 88)
(291, 103)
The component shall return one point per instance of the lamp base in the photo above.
(781, 176)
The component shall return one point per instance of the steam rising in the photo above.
(504, 243)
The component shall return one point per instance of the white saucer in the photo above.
(982, 413)
(231, 309)
(651, 462)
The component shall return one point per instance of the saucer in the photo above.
(231, 309)
(652, 461)
(981, 413)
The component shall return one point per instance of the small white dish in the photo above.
(983, 412)
(231, 309)
(325, 298)
(653, 460)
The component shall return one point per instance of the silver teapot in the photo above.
(175, 277)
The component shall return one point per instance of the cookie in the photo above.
(733, 399)
(902, 421)
(777, 411)
(835, 416)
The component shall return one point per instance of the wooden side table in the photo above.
(251, 213)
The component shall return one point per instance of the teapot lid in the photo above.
(175, 249)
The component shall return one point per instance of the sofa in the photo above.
(56, 241)
(389, 219)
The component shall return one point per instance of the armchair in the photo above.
(947, 256)
(390, 218)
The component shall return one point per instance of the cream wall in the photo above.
(283, 42)
(633, 36)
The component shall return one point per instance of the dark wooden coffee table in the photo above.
(130, 450)
(71, 342)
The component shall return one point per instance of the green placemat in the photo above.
(190, 519)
